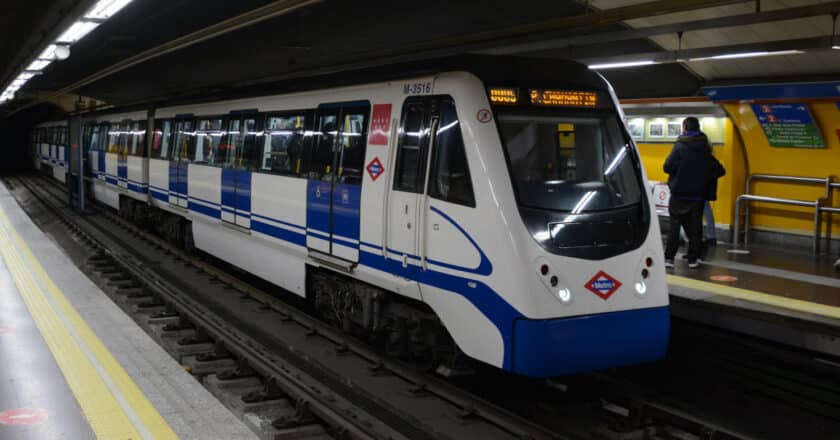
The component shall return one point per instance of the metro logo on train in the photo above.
(603, 285)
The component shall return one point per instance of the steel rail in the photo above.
(478, 410)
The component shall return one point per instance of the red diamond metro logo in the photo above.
(375, 169)
(603, 285)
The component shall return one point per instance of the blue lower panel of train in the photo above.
(555, 347)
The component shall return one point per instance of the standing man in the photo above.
(692, 170)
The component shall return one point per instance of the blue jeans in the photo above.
(711, 234)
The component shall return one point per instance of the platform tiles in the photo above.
(74, 366)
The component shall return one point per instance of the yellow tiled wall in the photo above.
(756, 156)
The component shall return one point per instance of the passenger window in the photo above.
(449, 177)
(124, 136)
(232, 144)
(408, 175)
(238, 148)
(352, 142)
(138, 138)
(181, 144)
(161, 140)
(323, 144)
(250, 152)
(283, 144)
(208, 138)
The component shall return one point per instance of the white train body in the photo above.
(472, 236)
(51, 149)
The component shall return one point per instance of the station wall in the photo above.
(727, 149)
(746, 150)
(810, 162)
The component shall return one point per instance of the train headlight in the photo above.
(641, 287)
(564, 295)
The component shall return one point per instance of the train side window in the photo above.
(408, 176)
(250, 152)
(323, 144)
(232, 144)
(138, 139)
(449, 177)
(182, 138)
(352, 141)
(161, 140)
(283, 144)
(208, 138)
(124, 137)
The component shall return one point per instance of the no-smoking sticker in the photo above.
(484, 116)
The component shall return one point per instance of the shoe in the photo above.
(669, 263)
(694, 264)
(685, 257)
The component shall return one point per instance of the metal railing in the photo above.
(817, 205)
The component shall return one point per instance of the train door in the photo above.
(122, 154)
(406, 194)
(334, 189)
(238, 150)
(179, 163)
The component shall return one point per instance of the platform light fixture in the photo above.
(620, 65)
(60, 48)
(105, 9)
(736, 55)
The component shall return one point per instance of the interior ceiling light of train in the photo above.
(59, 49)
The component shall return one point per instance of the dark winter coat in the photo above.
(692, 169)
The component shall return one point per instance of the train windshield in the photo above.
(571, 161)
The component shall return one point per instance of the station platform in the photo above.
(786, 296)
(74, 366)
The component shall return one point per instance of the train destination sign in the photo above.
(789, 125)
(564, 98)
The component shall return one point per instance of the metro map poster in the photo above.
(789, 125)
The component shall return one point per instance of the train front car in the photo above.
(568, 267)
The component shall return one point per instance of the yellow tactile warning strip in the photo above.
(757, 297)
(111, 401)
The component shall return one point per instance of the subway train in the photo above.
(49, 149)
(492, 209)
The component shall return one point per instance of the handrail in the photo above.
(817, 204)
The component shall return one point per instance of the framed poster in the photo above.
(656, 130)
(674, 129)
(789, 125)
(636, 127)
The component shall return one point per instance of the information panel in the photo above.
(789, 125)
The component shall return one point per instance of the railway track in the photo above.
(261, 356)
(287, 374)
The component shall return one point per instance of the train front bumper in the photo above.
(556, 347)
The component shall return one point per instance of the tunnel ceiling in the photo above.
(329, 35)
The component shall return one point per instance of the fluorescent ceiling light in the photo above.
(26, 76)
(836, 47)
(730, 56)
(104, 9)
(48, 53)
(76, 32)
(38, 65)
(19, 82)
(622, 64)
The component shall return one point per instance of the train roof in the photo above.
(491, 69)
